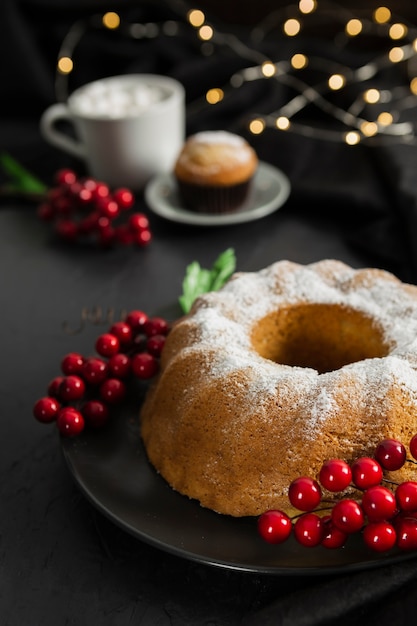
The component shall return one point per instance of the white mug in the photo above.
(128, 128)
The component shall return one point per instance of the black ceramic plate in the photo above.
(112, 470)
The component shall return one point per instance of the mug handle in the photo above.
(48, 119)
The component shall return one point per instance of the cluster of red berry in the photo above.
(86, 208)
(385, 515)
(90, 385)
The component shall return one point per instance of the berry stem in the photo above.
(324, 508)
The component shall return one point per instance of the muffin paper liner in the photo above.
(213, 200)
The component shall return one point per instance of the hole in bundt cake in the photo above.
(324, 337)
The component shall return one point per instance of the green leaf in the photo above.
(223, 268)
(22, 180)
(198, 280)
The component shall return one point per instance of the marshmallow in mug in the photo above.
(116, 99)
(128, 128)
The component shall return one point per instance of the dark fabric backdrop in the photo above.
(372, 191)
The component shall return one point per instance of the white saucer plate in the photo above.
(270, 190)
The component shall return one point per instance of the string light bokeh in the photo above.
(375, 113)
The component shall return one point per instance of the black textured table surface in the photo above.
(61, 560)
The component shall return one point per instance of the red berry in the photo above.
(74, 190)
(71, 388)
(335, 475)
(304, 493)
(406, 496)
(274, 526)
(63, 205)
(156, 326)
(413, 447)
(108, 207)
(138, 222)
(366, 472)
(123, 235)
(106, 236)
(65, 176)
(136, 320)
(333, 537)
(96, 413)
(90, 183)
(124, 198)
(95, 371)
(67, 229)
(70, 422)
(379, 536)
(119, 365)
(72, 363)
(348, 516)
(391, 454)
(45, 212)
(378, 503)
(140, 343)
(107, 344)
(81, 195)
(155, 344)
(101, 190)
(46, 409)
(123, 332)
(84, 196)
(309, 530)
(103, 223)
(89, 223)
(144, 365)
(113, 390)
(406, 529)
(143, 237)
(53, 387)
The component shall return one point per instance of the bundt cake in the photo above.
(278, 371)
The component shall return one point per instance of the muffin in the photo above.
(214, 171)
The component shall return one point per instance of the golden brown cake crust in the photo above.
(227, 425)
(216, 158)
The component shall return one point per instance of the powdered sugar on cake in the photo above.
(219, 137)
(224, 320)
(249, 297)
(208, 146)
